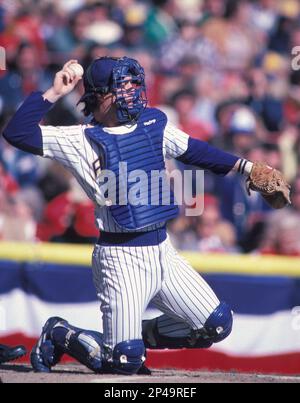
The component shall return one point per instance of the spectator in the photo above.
(7, 183)
(69, 41)
(188, 44)
(282, 234)
(160, 23)
(21, 25)
(295, 195)
(184, 102)
(68, 217)
(26, 76)
(289, 144)
(214, 233)
(16, 219)
(232, 35)
(237, 207)
(183, 233)
(21, 166)
(242, 129)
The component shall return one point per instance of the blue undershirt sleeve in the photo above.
(23, 129)
(205, 156)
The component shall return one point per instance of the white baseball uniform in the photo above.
(128, 279)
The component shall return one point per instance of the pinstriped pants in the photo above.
(127, 279)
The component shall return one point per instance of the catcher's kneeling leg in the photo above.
(216, 328)
(83, 345)
(87, 347)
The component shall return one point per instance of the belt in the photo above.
(148, 238)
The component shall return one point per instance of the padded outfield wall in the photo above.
(42, 280)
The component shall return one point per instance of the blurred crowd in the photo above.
(220, 69)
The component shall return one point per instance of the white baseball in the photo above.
(77, 68)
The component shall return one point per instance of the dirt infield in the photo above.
(20, 373)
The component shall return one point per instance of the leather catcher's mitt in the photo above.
(270, 183)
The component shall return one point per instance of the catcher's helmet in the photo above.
(110, 74)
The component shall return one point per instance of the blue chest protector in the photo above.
(140, 150)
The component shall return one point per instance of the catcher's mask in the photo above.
(111, 75)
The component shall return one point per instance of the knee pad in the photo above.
(126, 358)
(218, 325)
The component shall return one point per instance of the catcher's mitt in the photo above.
(270, 183)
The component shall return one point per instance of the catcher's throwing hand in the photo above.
(64, 82)
(270, 183)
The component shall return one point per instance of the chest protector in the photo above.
(143, 195)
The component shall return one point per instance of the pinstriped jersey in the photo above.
(70, 146)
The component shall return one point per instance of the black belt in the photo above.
(132, 238)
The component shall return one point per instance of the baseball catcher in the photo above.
(134, 263)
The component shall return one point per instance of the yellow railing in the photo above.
(205, 263)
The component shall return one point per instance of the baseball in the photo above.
(77, 68)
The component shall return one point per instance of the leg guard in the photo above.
(153, 338)
(216, 328)
(83, 345)
(126, 358)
